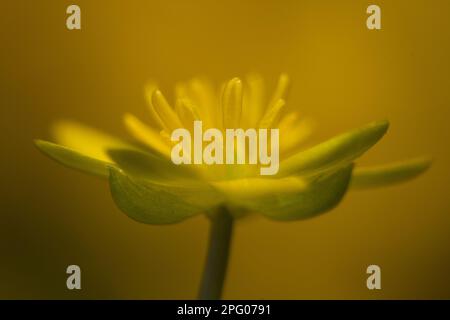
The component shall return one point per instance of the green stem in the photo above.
(218, 252)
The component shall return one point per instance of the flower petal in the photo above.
(337, 151)
(389, 174)
(73, 159)
(86, 140)
(146, 165)
(157, 203)
(322, 195)
(146, 134)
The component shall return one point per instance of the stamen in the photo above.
(165, 111)
(187, 112)
(232, 103)
(272, 115)
(202, 93)
(253, 108)
(281, 90)
(150, 88)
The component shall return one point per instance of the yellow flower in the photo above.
(149, 188)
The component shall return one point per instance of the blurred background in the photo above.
(344, 76)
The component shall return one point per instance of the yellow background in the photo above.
(343, 76)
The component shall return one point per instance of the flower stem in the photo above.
(218, 252)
